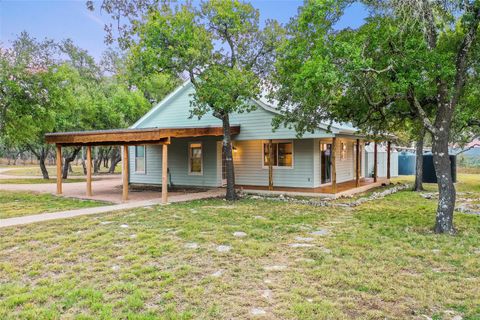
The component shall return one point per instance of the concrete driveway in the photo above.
(109, 188)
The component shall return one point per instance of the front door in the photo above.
(326, 162)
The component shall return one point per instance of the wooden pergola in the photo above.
(126, 138)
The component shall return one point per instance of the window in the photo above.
(282, 154)
(195, 158)
(140, 159)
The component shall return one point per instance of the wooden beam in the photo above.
(375, 162)
(125, 173)
(59, 169)
(165, 173)
(334, 165)
(357, 165)
(89, 171)
(389, 147)
(270, 165)
(133, 136)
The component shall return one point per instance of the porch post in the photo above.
(357, 165)
(334, 165)
(59, 169)
(125, 173)
(89, 171)
(270, 165)
(164, 173)
(375, 162)
(389, 146)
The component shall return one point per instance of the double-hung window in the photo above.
(139, 159)
(195, 158)
(282, 154)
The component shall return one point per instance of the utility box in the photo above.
(429, 175)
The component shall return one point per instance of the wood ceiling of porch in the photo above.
(132, 136)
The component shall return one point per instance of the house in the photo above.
(168, 147)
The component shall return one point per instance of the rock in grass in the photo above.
(275, 268)
(116, 268)
(300, 245)
(239, 234)
(217, 273)
(303, 239)
(267, 294)
(258, 312)
(191, 245)
(223, 248)
(320, 232)
(124, 226)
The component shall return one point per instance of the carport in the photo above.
(126, 138)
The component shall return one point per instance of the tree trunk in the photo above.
(446, 188)
(418, 186)
(41, 162)
(68, 160)
(229, 168)
(115, 160)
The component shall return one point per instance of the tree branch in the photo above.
(422, 114)
(371, 70)
(461, 61)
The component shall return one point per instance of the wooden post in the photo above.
(270, 165)
(357, 165)
(334, 165)
(389, 147)
(125, 173)
(59, 169)
(165, 173)
(375, 162)
(89, 171)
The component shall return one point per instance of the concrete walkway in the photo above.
(89, 211)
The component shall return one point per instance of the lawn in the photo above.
(376, 261)
(39, 181)
(52, 170)
(15, 204)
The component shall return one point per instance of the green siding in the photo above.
(177, 164)
(249, 169)
(253, 125)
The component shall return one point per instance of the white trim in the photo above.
(279, 141)
(144, 171)
(190, 173)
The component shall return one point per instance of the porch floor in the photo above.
(343, 188)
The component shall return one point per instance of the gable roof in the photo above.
(334, 127)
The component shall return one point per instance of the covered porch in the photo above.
(332, 187)
(125, 138)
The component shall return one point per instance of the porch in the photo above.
(342, 189)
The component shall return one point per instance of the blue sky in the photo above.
(60, 19)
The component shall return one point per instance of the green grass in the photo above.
(33, 170)
(15, 204)
(38, 181)
(384, 262)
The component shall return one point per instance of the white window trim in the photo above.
(190, 173)
(144, 171)
(279, 167)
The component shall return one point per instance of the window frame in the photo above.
(190, 173)
(144, 171)
(265, 142)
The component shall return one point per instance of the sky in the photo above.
(61, 19)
